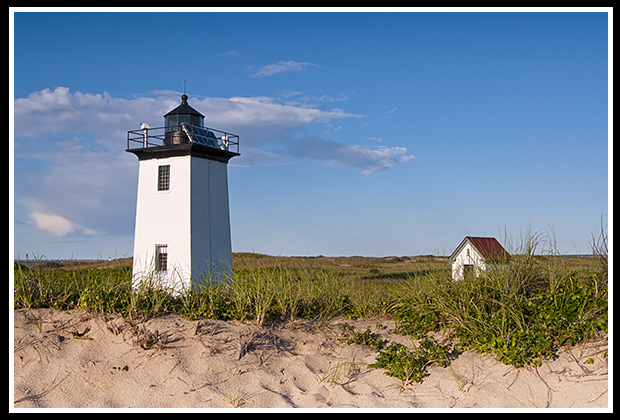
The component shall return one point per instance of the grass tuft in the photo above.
(521, 311)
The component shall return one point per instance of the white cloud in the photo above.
(57, 225)
(282, 67)
(52, 223)
(229, 53)
(73, 176)
(304, 99)
(87, 132)
(50, 112)
(370, 160)
(267, 111)
(376, 160)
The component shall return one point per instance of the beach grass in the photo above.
(520, 311)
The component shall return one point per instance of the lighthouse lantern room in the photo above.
(182, 231)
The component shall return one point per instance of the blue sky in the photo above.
(360, 133)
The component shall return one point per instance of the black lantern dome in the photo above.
(179, 119)
(184, 113)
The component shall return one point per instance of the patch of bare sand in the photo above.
(76, 359)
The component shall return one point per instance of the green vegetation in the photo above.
(355, 336)
(410, 365)
(522, 311)
(262, 288)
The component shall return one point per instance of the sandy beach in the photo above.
(75, 359)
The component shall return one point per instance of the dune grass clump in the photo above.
(521, 311)
(103, 290)
(261, 294)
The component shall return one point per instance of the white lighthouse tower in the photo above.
(182, 231)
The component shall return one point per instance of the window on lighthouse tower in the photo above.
(163, 178)
(161, 257)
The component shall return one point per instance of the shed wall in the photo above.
(467, 255)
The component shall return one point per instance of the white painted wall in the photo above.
(468, 255)
(211, 247)
(163, 217)
(192, 218)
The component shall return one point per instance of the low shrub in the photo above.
(522, 311)
(411, 365)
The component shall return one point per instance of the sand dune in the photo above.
(76, 359)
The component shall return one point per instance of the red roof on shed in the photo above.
(490, 248)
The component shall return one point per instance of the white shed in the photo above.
(475, 254)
